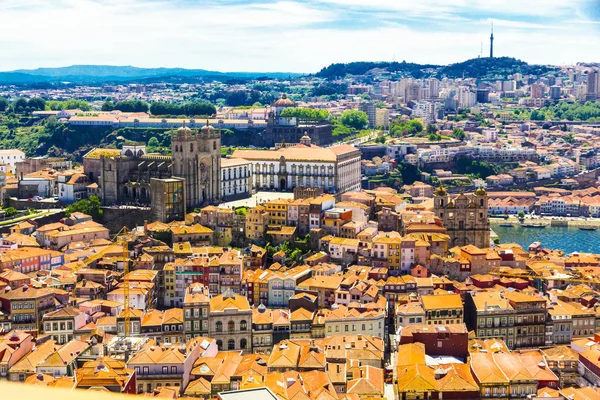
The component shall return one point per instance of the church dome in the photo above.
(183, 129)
(480, 192)
(440, 191)
(207, 129)
(283, 102)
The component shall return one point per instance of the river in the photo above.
(569, 240)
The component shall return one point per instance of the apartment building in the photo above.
(196, 306)
(443, 309)
(530, 319)
(26, 306)
(230, 322)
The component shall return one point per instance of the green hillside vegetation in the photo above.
(589, 111)
(487, 68)
(340, 70)
(480, 68)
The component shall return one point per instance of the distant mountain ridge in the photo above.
(111, 73)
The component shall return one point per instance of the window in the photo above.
(243, 343)
(243, 325)
(165, 370)
(231, 326)
(231, 344)
(219, 326)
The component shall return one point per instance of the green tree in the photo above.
(10, 212)
(536, 115)
(570, 137)
(410, 173)
(305, 114)
(91, 206)
(458, 133)
(354, 119)
(20, 105)
(108, 106)
(434, 137)
(521, 214)
(153, 144)
(431, 129)
(3, 104)
(134, 105)
(36, 104)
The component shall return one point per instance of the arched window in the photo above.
(219, 326)
(243, 325)
(214, 145)
(231, 344)
(219, 345)
(231, 326)
(243, 343)
(191, 147)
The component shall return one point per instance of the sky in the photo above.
(292, 35)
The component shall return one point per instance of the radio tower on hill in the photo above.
(492, 42)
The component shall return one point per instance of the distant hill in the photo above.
(110, 73)
(339, 70)
(480, 68)
(485, 67)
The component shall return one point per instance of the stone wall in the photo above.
(115, 218)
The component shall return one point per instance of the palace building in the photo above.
(335, 169)
(289, 129)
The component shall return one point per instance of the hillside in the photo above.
(339, 70)
(480, 68)
(109, 73)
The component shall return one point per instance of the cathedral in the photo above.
(197, 159)
(464, 217)
(125, 176)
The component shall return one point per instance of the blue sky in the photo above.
(291, 35)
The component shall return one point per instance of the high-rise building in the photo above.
(434, 88)
(483, 96)
(593, 81)
(382, 118)
(370, 109)
(537, 91)
(555, 92)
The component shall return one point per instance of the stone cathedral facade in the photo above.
(465, 217)
(125, 176)
(197, 159)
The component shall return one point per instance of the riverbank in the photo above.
(571, 222)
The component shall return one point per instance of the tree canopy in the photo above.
(71, 104)
(354, 119)
(458, 133)
(410, 128)
(89, 206)
(305, 114)
(188, 109)
(134, 105)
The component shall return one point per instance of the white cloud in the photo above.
(263, 36)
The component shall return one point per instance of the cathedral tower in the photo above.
(465, 218)
(197, 159)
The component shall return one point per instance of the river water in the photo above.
(569, 240)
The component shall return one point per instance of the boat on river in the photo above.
(533, 225)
